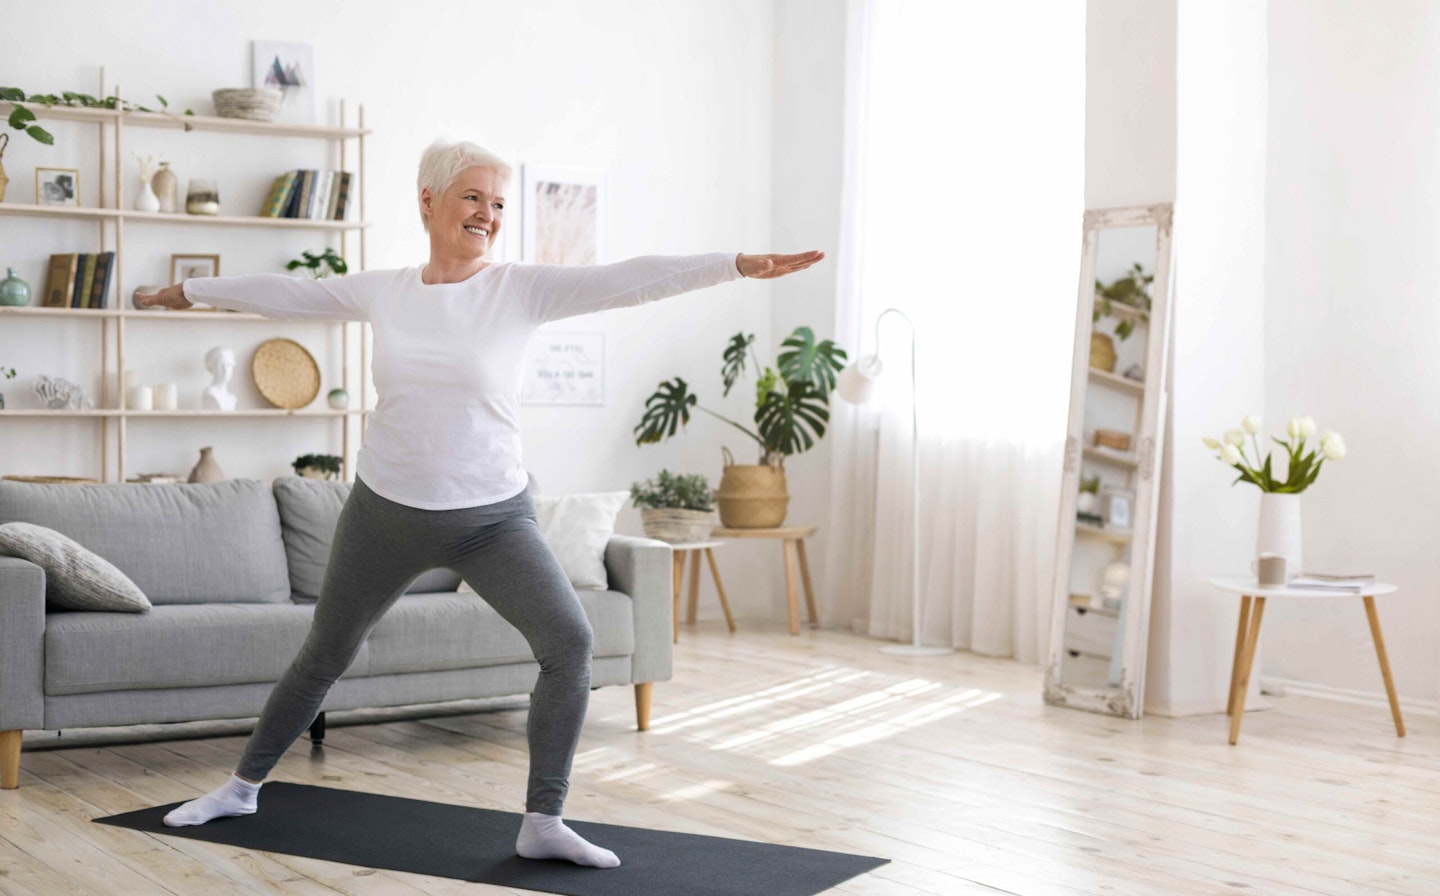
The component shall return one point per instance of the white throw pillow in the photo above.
(577, 528)
(75, 578)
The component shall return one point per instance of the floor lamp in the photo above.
(856, 385)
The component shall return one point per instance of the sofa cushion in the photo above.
(75, 579)
(434, 632)
(180, 543)
(309, 512)
(577, 528)
(177, 646)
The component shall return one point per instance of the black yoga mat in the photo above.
(479, 845)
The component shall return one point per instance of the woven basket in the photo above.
(1102, 352)
(677, 525)
(254, 103)
(285, 373)
(55, 480)
(752, 497)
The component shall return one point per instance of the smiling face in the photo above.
(464, 220)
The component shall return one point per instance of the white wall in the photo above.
(674, 100)
(1352, 323)
(1217, 365)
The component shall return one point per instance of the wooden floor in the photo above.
(951, 767)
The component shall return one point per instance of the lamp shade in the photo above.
(856, 383)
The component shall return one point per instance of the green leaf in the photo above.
(40, 134)
(164, 104)
(1268, 479)
(19, 115)
(665, 412)
(735, 359)
(787, 421)
(808, 362)
(12, 94)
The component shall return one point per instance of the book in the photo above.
(320, 198)
(305, 188)
(77, 296)
(60, 280)
(279, 195)
(104, 271)
(85, 281)
(1319, 581)
(342, 197)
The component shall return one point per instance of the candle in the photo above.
(142, 398)
(129, 380)
(166, 397)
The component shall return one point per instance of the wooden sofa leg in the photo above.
(317, 729)
(642, 705)
(10, 759)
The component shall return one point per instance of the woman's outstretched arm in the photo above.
(270, 295)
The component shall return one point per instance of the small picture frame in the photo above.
(57, 187)
(1119, 507)
(183, 267)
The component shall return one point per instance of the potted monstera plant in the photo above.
(792, 409)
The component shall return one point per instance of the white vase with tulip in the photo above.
(1279, 528)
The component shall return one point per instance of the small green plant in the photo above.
(326, 463)
(690, 492)
(1133, 290)
(1090, 484)
(22, 116)
(312, 263)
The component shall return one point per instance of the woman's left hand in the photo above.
(763, 267)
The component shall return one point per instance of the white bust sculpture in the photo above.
(220, 361)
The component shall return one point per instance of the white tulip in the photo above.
(1332, 446)
(1230, 454)
(1307, 427)
(1235, 437)
(1292, 429)
(1212, 444)
(1251, 424)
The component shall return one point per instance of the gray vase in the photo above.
(167, 188)
(13, 290)
(206, 469)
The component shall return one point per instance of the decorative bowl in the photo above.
(254, 103)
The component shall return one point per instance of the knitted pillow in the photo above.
(75, 578)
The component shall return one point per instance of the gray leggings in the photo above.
(380, 547)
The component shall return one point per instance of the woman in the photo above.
(439, 480)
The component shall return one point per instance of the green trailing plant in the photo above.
(667, 490)
(1133, 290)
(313, 263)
(22, 117)
(327, 463)
(791, 398)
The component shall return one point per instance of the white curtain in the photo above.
(963, 200)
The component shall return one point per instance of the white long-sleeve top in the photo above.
(448, 357)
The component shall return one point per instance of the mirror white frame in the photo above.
(1123, 694)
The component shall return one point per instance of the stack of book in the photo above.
(309, 193)
(79, 280)
(1320, 581)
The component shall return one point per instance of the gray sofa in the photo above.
(231, 569)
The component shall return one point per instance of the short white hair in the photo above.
(442, 162)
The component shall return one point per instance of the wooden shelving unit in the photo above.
(113, 219)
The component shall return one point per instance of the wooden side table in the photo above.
(793, 538)
(694, 549)
(1247, 636)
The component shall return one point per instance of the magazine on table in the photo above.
(1321, 581)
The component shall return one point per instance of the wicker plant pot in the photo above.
(752, 496)
(1102, 352)
(677, 525)
(254, 103)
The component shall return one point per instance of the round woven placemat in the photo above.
(285, 373)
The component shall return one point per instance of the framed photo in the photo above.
(183, 267)
(57, 186)
(564, 368)
(564, 211)
(289, 67)
(1118, 509)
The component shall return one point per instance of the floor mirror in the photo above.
(1106, 534)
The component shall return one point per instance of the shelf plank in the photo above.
(184, 122)
(132, 415)
(1111, 535)
(1121, 310)
(154, 314)
(58, 211)
(46, 412)
(240, 221)
(1124, 384)
(1119, 459)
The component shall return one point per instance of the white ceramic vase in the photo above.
(1279, 530)
(146, 200)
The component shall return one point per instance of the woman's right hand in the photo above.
(172, 297)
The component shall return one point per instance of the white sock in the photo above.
(546, 837)
(234, 797)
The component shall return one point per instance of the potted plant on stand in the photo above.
(1279, 529)
(791, 412)
(1131, 291)
(677, 509)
